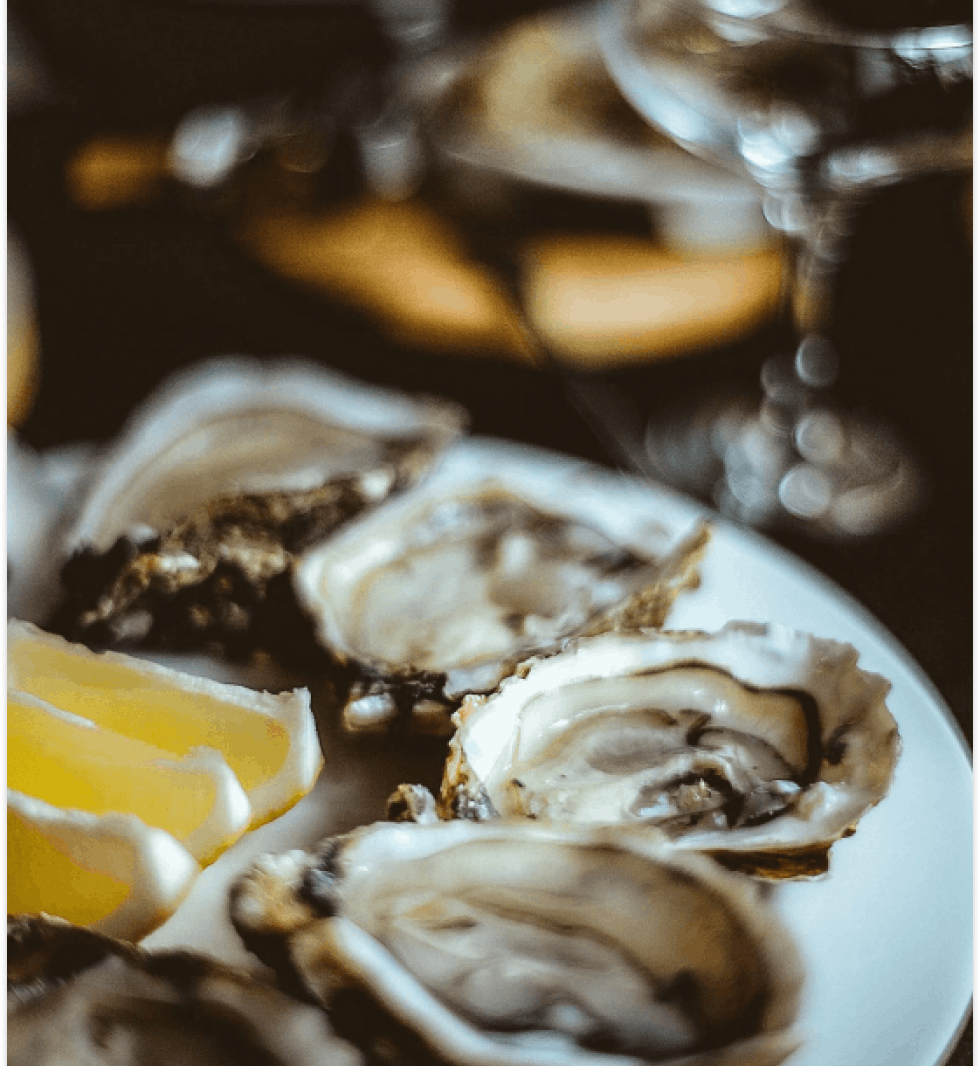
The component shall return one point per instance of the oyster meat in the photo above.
(442, 592)
(218, 481)
(74, 996)
(758, 744)
(515, 943)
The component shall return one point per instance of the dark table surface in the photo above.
(126, 296)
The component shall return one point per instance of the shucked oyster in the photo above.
(442, 592)
(218, 481)
(74, 996)
(758, 744)
(515, 944)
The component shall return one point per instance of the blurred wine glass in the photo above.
(727, 129)
(613, 246)
(23, 341)
(820, 105)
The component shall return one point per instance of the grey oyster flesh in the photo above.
(475, 585)
(537, 941)
(661, 762)
(526, 952)
(74, 996)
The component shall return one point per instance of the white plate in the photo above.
(886, 935)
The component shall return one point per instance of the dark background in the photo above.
(126, 296)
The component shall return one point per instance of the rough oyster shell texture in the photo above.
(442, 592)
(74, 996)
(515, 943)
(216, 483)
(758, 744)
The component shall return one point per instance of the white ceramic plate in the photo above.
(886, 935)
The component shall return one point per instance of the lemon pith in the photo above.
(50, 880)
(108, 871)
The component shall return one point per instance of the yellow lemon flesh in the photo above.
(269, 741)
(125, 777)
(69, 762)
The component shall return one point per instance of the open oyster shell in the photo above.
(218, 480)
(499, 555)
(514, 943)
(74, 996)
(758, 744)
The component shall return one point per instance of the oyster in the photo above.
(497, 556)
(74, 996)
(515, 943)
(218, 481)
(758, 744)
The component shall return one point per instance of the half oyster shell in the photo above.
(499, 555)
(758, 744)
(515, 943)
(218, 480)
(74, 996)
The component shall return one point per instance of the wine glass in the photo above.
(805, 107)
(530, 142)
(819, 113)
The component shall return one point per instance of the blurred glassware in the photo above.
(484, 124)
(535, 104)
(820, 114)
(478, 125)
(728, 125)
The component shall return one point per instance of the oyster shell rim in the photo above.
(751, 850)
(363, 959)
(226, 384)
(50, 953)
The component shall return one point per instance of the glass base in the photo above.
(815, 468)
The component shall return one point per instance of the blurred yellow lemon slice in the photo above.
(72, 763)
(111, 872)
(610, 301)
(23, 338)
(597, 300)
(110, 171)
(401, 261)
(269, 741)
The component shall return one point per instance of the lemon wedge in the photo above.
(69, 762)
(125, 778)
(111, 872)
(269, 741)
